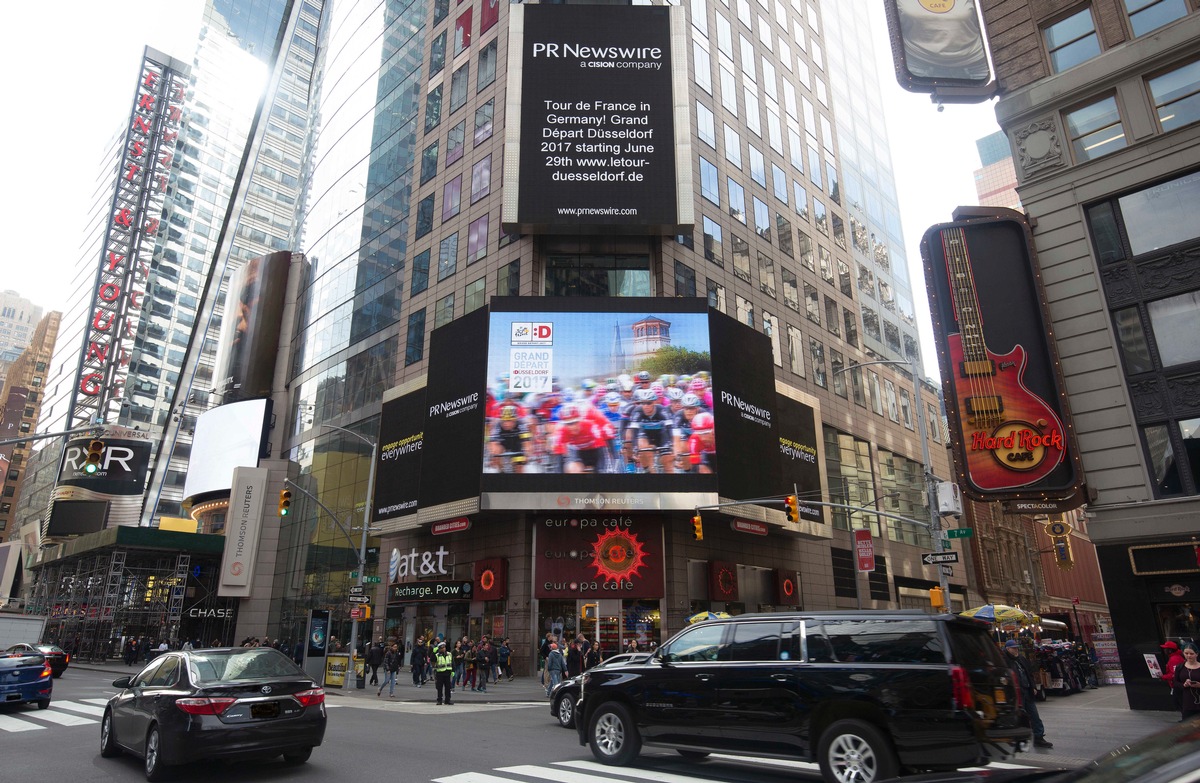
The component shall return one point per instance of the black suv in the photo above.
(865, 694)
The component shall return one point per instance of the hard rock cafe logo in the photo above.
(619, 556)
(1179, 591)
(1018, 445)
(789, 587)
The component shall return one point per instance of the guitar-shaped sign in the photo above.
(1010, 436)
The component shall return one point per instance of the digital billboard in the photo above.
(227, 437)
(398, 463)
(798, 441)
(245, 361)
(1005, 399)
(120, 478)
(578, 389)
(594, 140)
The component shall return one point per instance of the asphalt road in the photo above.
(367, 739)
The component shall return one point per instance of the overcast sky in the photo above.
(67, 95)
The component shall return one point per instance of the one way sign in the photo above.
(929, 558)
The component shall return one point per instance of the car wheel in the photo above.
(694, 755)
(613, 738)
(108, 740)
(155, 769)
(297, 756)
(43, 704)
(853, 751)
(564, 710)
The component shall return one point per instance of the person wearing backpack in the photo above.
(483, 664)
(392, 660)
(504, 659)
(556, 666)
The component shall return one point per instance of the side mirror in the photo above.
(122, 682)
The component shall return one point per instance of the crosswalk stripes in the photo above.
(60, 713)
(579, 771)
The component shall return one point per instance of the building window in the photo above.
(820, 216)
(414, 351)
(477, 235)
(779, 183)
(481, 179)
(483, 122)
(791, 291)
(703, 66)
(458, 87)
(429, 160)
(716, 295)
(758, 166)
(737, 200)
(1148, 15)
(424, 216)
(771, 330)
(1072, 41)
(745, 311)
(487, 66)
(708, 181)
(795, 350)
(1095, 129)
(906, 409)
(816, 352)
(713, 249)
(451, 198)
(733, 147)
(741, 257)
(706, 127)
(783, 233)
(437, 54)
(462, 32)
(473, 297)
(805, 250)
(856, 385)
(812, 303)
(889, 391)
(456, 142)
(448, 257)
(441, 9)
(685, 280)
(832, 322)
(766, 274)
(433, 108)
(509, 281)
(845, 578)
(1174, 321)
(597, 275)
(934, 421)
(762, 219)
(850, 321)
(443, 313)
(837, 366)
(420, 273)
(1177, 96)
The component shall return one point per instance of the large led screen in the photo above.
(227, 437)
(594, 140)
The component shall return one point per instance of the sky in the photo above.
(63, 110)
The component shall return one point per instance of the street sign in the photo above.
(372, 580)
(354, 575)
(959, 532)
(929, 558)
(356, 590)
(948, 570)
(359, 599)
(864, 550)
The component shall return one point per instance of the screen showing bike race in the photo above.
(600, 392)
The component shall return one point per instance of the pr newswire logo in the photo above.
(639, 57)
(455, 407)
(746, 410)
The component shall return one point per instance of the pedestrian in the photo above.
(1187, 683)
(504, 657)
(544, 655)
(593, 657)
(418, 660)
(469, 664)
(392, 660)
(483, 664)
(555, 667)
(574, 659)
(443, 671)
(1174, 658)
(460, 665)
(1023, 675)
(374, 659)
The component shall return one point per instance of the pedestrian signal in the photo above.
(792, 508)
(937, 598)
(95, 452)
(589, 612)
(697, 528)
(285, 502)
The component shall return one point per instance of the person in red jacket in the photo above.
(1174, 658)
(580, 441)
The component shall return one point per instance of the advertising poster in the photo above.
(796, 424)
(318, 633)
(598, 136)
(586, 404)
(121, 479)
(598, 556)
(398, 467)
(245, 362)
(455, 401)
(937, 42)
(744, 406)
(1005, 400)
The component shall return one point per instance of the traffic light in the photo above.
(95, 452)
(697, 528)
(1062, 552)
(285, 502)
(791, 508)
(937, 599)
(589, 612)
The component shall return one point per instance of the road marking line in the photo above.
(9, 723)
(637, 773)
(74, 706)
(61, 718)
(101, 702)
(473, 777)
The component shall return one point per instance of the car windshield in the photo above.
(214, 666)
(1178, 744)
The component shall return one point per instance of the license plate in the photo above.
(1001, 697)
(266, 709)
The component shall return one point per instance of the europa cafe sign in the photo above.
(151, 144)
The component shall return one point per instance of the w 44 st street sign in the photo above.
(930, 558)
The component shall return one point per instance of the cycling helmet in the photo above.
(691, 401)
(588, 384)
(702, 421)
(627, 386)
(613, 387)
(668, 380)
(568, 414)
(698, 385)
(643, 377)
(674, 395)
(508, 412)
(612, 398)
(645, 396)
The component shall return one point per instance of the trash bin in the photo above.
(360, 673)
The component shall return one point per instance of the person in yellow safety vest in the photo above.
(443, 670)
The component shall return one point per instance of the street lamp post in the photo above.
(935, 521)
(362, 546)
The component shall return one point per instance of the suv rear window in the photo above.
(874, 641)
(974, 647)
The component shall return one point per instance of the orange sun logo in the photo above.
(618, 555)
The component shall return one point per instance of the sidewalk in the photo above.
(520, 689)
(1086, 724)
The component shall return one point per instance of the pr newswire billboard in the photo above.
(594, 140)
